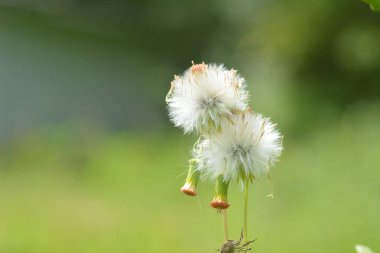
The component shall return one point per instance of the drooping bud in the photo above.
(190, 186)
(220, 200)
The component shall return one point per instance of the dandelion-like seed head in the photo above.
(246, 148)
(234, 143)
(204, 95)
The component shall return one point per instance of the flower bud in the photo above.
(198, 68)
(220, 199)
(190, 186)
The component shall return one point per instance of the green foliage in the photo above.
(374, 4)
(120, 193)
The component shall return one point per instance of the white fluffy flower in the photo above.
(245, 149)
(203, 95)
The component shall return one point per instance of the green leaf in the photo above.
(374, 4)
(362, 249)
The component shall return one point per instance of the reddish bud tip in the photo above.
(219, 204)
(188, 190)
(198, 68)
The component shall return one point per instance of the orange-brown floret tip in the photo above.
(198, 68)
(219, 204)
(189, 190)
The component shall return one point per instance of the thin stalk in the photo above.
(245, 215)
(225, 224)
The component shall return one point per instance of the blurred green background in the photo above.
(89, 161)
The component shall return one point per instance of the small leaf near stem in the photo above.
(231, 246)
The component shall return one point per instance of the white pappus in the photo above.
(245, 148)
(203, 95)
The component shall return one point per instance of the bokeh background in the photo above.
(89, 161)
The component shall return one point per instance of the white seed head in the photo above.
(203, 95)
(245, 148)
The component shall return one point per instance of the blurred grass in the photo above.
(72, 192)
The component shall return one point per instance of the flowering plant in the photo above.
(234, 142)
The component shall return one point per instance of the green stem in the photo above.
(245, 215)
(225, 224)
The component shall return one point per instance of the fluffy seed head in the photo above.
(203, 95)
(248, 145)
